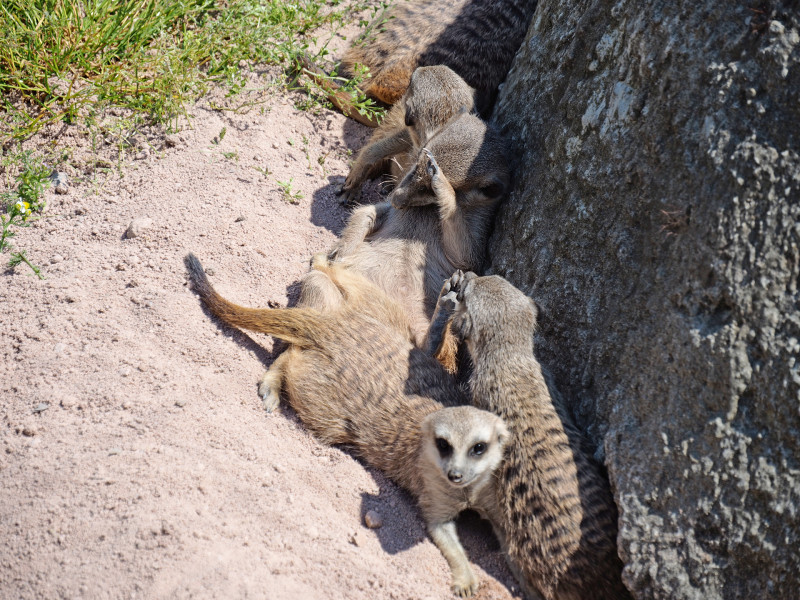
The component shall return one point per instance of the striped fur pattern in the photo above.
(354, 377)
(476, 38)
(557, 511)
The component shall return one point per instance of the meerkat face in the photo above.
(465, 443)
(468, 156)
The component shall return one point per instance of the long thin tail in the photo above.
(295, 325)
(338, 97)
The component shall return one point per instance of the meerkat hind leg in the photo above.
(270, 384)
(444, 535)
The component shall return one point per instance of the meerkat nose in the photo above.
(454, 476)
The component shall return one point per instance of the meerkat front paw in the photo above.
(449, 295)
(465, 585)
(432, 166)
(458, 283)
(350, 192)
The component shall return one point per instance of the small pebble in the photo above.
(43, 406)
(373, 520)
(59, 178)
(28, 431)
(143, 155)
(56, 258)
(275, 145)
(61, 189)
(171, 140)
(240, 218)
(180, 403)
(279, 468)
(115, 451)
(121, 267)
(138, 226)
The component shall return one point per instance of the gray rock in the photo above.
(654, 217)
(171, 140)
(59, 179)
(138, 226)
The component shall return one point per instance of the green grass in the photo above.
(19, 207)
(63, 60)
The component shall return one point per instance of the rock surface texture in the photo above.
(656, 219)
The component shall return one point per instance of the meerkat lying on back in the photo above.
(476, 38)
(556, 509)
(434, 96)
(435, 221)
(354, 377)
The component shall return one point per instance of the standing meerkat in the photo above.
(353, 376)
(435, 221)
(476, 38)
(434, 96)
(556, 508)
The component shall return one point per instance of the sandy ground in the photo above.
(136, 460)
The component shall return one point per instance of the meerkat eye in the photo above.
(493, 190)
(409, 120)
(443, 446)
(478, 449)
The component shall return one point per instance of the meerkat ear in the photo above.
(502, 432)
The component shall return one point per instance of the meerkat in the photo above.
(556, 508)
(475, 38)
(434, 95)
(353, 376)
(435, 221)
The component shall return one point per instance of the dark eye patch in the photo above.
(443, 446)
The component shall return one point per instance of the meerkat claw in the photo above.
(432, 166)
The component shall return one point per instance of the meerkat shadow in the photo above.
(327, 209)
(402, 526)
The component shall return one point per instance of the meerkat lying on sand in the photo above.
(354, 377)
(435, 221)
(434, 96)
(556, 509)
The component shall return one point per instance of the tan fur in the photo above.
(433, 97)
(557, 511)
(354, 377)
(476, 38)
(436, 219)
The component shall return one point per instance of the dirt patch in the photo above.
(136, 459)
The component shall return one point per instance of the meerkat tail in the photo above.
(338, 97)
(294, 325)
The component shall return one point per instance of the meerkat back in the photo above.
(476, 38)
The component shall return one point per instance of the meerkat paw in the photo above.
(269, 397)
(320, 260)
(350, 192)
(432, 166)
(465, 585)
(449, 295)
(458, 283)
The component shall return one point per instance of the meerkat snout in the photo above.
(465, 443)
